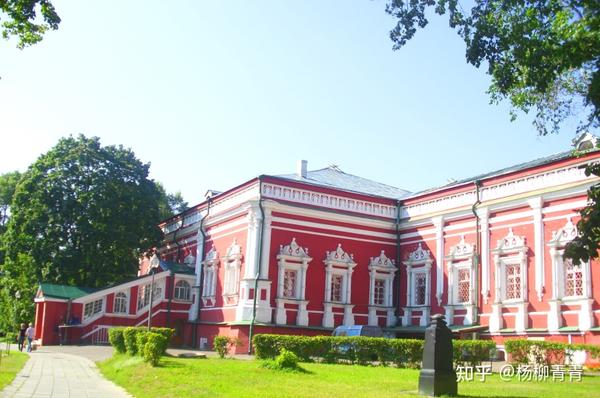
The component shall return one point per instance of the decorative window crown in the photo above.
(340, 256)
(462, 248)
(293, 250)
(564, 235)
(381, 261)
(511, 242)
(419, 254)
(234, 250)
(211, 256)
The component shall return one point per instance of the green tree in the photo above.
(8, 183)
(541, 55)
(170, 204)
(21, 18)
(82, 214)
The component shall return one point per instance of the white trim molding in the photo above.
(418, 266)
(292, 262)
(510, 260)
(459, 262)
(381, 281)
(210, 268)
(537, 205)
(339, 265)
(560, 278)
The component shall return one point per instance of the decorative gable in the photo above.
(461, 249)
(293, 250)
(510, 243)
(382, 261)
(564, 235)
(419, 255)
(340, 256)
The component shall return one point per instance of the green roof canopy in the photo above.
(63, 291)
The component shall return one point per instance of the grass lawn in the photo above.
(10, 366)
(178, 377)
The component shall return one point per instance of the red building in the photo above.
(305, 252)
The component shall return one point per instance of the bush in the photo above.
(223, 344)
(286, 360)
(129, 337)
(155, 344)
(472, 352)
(116, 339)
(545, 352)
(141, 337)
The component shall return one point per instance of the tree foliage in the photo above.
(8, 184)
(84, 213)
(542, 55)
(170, 204)
(27, 20)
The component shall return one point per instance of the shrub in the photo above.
(223, 344)
(545, 352)
(286, 360)
(129, 337)
(141, 337)
(472, 352)
(155, 345)
(167, 332)
(116, 339)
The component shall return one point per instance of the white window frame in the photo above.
(292, 258)
(124, 300)
(95, 308)
(381, 268)
(210, 269)
(184, 286)
(232, 263)
(419, 260)
(511, 250)
(145, 298)
(461, 257)
(557, 245)
(338, 262)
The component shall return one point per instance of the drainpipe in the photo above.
(200, 282)
(477, 251)
(258, 264)
(398, 295)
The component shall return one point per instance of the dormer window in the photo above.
(585, 142)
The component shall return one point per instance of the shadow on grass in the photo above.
(416, 394)
(270, 365)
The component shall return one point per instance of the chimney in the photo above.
(301, 167)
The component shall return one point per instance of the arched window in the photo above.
(120, 306)
(182, 291)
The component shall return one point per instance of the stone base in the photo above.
(434, 383)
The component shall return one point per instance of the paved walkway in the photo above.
(59, 375)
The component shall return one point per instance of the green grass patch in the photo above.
(213, 377)
(10, 366)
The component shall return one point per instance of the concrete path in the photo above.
(59, 375)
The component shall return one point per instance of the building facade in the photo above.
(306, 252)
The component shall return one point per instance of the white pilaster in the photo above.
(266, 244)
(496, 322)
(483, 214)
(348, 315)
(193, 312)
(438, 222)
(554, 316)
(536, 205)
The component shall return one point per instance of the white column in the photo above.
(372, 288)
(536, 205)
(390, 291)
(408, 290)
(450, 271)
(193, 312)
(554, 316)
(266, 245)
(251, 257)
(280, 275)
(348, 295)
(438, 222)
(586, 316)
(302, 290)
(302, 318)
(485, 252)
(496, 322)
(328, 283)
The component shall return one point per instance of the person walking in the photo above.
(30, 333)
(21, 338)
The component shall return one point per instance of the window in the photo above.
(182, 291)
(573, 278)
(420, 288)
(120, 305)
(513, 281)
(92, 308)
(379, 292)
(209, 283)
(231, 279)
(289, 283)
(337, 282)
(144, 295)
(232, 266)
(464, 285)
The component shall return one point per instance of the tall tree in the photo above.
(170, 204)
(8, 183)
(21, 18)
(542, 55)
(82, 214)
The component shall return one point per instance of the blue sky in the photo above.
(213, 93)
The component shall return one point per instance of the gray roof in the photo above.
(521, 166)
(333, 177)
